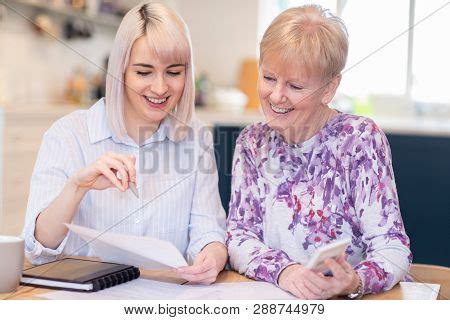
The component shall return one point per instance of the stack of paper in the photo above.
(143, 289)
(419, 291)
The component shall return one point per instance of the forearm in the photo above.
(382, 271)
(387, 257)
(252, 257)
(50, 229)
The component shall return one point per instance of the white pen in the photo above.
(132, 186)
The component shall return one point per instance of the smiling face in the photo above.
(290, 97)
(153, 86)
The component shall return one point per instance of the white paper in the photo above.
(142, 289)
(419, 291)
(142, 252)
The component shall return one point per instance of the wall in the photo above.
(221, 44)
(34, 68)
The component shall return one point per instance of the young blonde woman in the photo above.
(142, 138)
(312, 175)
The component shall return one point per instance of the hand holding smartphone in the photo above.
(332, 250)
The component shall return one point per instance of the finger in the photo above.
(208, 281)
(120, 167)
(318, 279)
(313, 287)
(196, 269)
(330, 285)
(125, 160)
(191, 278)
(197, 262)
(336, 269)
(201, 264)
(305, 293)
(344, 264)
(197, 278)
(129, 162)
(106, 171)
(294, 290)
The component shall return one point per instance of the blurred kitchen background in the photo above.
(53, 53)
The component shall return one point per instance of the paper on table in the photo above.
(143, 252)
(419, 291)
(156, 290)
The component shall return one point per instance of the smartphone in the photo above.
(332, 250)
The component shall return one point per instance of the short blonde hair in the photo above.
(309, 37)
(168, 35)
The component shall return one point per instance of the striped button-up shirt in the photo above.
(176, 181)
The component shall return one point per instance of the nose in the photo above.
(159, 86)
(277, 96)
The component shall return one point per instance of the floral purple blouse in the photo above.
(289, 200)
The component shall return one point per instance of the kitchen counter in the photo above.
(408, 125)
(390, 125)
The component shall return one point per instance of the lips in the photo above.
(158, 103)
(279, 110)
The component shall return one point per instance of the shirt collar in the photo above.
(161, 133)
(99, 129)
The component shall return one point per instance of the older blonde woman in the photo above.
(145, 122)
(312, 175)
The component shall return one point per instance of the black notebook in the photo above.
(78, 275)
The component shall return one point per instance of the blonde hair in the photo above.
(310, 37)
(169, 37)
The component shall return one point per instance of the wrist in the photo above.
(73, 186)
(353, 285)
(218, 251)
(355, 290)
(284, 273)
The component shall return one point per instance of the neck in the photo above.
(139, 130)
(308, 126)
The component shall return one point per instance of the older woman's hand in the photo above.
(344, 281)
(310, 285)
(304, 283)
(207, 265)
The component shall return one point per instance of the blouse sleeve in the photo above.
(376, 203)
(53, 165)
(245, 239)
(207, 222)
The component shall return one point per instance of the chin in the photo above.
(276, 121)
(154, 114)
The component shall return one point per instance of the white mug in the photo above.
(11, 262)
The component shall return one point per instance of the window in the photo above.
(431, 52)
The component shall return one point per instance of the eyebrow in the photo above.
(301, 82)
(145, 65)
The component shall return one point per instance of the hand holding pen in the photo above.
(111, 170)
